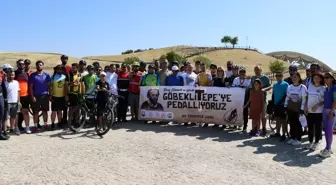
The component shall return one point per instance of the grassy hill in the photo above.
(218, 55)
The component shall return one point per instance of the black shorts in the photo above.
(279, 111)
(41, 104)
(101, 106)
(73, 100)
(90, 103)
(57, 103)
(25, 101)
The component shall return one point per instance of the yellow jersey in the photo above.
(58, 85)
(204, 79)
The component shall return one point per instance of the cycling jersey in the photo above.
(58, 85)
(74, 80)
(204, 79)
(150, 80)
(89, 82)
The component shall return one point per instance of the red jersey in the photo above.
(134, 83)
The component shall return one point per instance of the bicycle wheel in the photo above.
(108, 119)
(77, 120)
(31, 112)
(271, 122)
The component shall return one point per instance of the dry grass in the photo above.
(219, 57)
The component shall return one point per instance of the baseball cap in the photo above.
(102, 74)
(175, 68)
(213, 66)
(7, 66)
(135, 64)
(89, 67)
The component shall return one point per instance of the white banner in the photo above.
(192, 104)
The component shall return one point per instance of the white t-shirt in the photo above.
(315, 96)
(12, 91)
(112, 80)
(84, 73)
(296, 94)
(189, 79)
(237, 82)
(228, 73)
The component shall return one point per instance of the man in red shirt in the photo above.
(64, 60)
(123, 84)
(134, 90)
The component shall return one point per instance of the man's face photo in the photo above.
(153, 96)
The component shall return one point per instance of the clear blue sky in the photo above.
(105, 27)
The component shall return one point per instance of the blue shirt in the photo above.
(329, 97)
(279, 91)
(40, 83)
(173, 80)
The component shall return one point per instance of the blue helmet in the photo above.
(293, 68)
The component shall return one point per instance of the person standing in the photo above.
(265, 84)
(39, 83)
(279, 94)
(64, 60)
(74, 90)
(329, 113)
(59, 95)
(229, 79)
(189, 79)
(291, 69)
(142, 67)
(163, 73)
(123, 84)
(204, 78)
(103, 88)
(134, 90)
(218, 81)
(3, 97)
(22, 78)
(314, 109)
(27, 63)
(229, 71)
(174, 79)
(243, 82)
(197, 67)
(82, 68)
(294, 104)
(112, 80)
(213, 70)
(13, 97)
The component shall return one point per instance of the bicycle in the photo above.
(88, 108)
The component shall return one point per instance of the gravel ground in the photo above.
(157, 154)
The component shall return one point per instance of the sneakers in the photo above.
(252, 133)
(3, 136)
(257, 134)
(290, 141)
(314, 146)
(263, 132)
(52, 126)
(28, 131)
(17, 131)
(296, 143)
(45, 127)
(35, 130)
(325, 153)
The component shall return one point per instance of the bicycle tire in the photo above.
(31, 112)
(78, 118)
(108, 120)
(271, 122)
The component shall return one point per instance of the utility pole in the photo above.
(246, 42)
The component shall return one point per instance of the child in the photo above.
(102, 97)
(256, 100)
(13, 97)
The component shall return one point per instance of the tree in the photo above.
(203, 59)
(127, 52)
(150, 48)
(138, 50)
(277, 66)
(172, 57)
(131, 60)
(234, 41)
(226, 39)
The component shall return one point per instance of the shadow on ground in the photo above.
(284, 153)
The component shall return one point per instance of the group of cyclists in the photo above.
(292, 97)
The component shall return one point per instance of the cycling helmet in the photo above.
(315, 65)
(242, 68)
(293, 68)
(82, 62)
(64, 57)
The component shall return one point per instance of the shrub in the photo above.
(131, 60)
(203, 59)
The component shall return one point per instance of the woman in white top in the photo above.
(295, 104)
(243, 82)
(314, 108)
